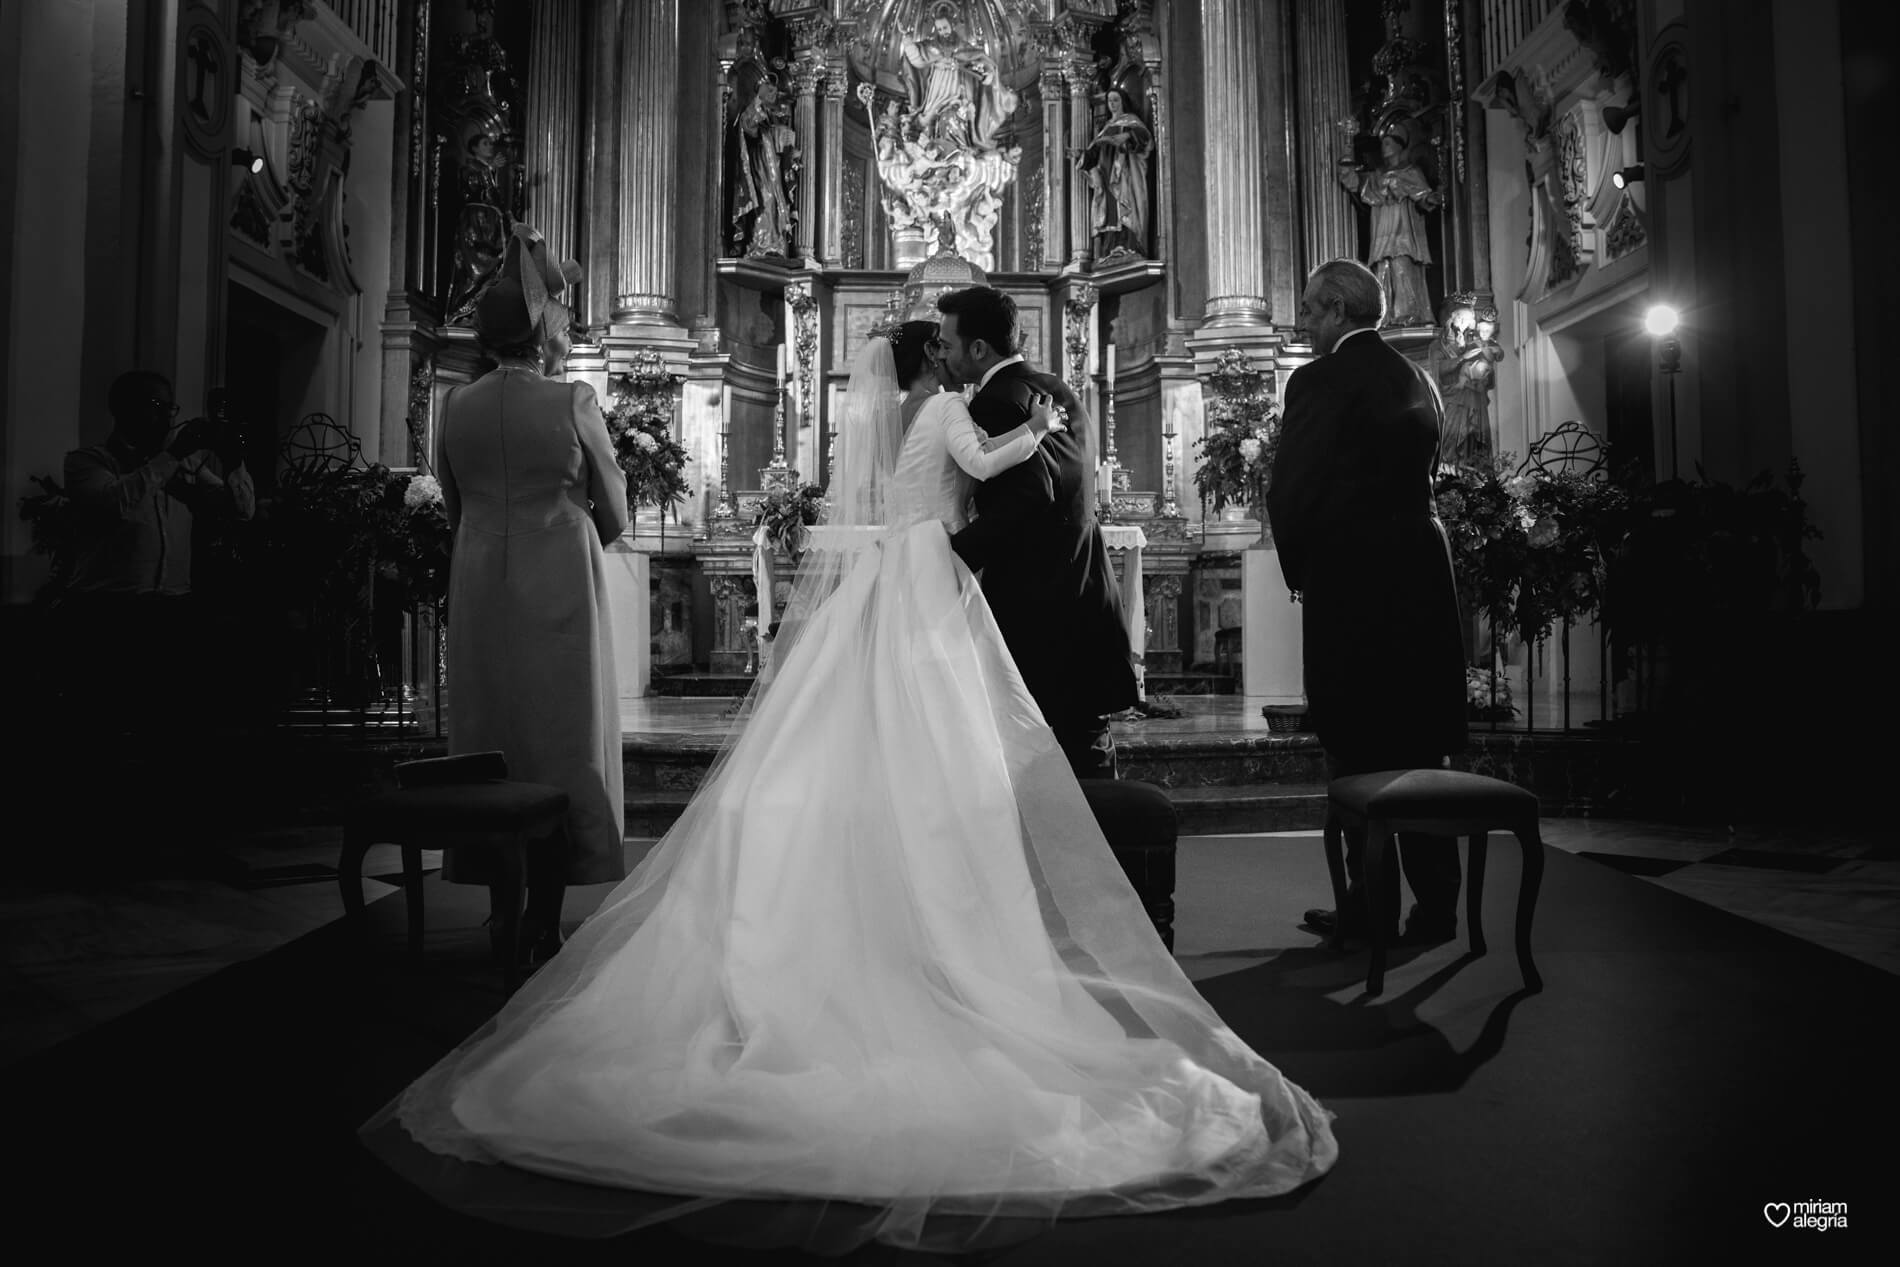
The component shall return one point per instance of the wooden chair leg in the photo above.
(349, 872)
(1474, 892)
(508, 894)
(1335, 836)
(1533, 846)
(1378, 838)
(412, 894)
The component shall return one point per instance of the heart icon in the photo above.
(1776, 1212)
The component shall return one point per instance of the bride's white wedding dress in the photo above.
(885, 957)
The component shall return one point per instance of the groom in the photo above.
(1045, 568)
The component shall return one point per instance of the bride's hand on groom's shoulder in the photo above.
(1043, 416)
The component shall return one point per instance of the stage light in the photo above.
(1616, 118)
(1661, 321)
(1627, 176)
(248, 159)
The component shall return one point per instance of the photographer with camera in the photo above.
(126, 615)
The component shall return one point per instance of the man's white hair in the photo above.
(1355, 286)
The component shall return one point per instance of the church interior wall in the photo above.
(49, 69)
(1819, 282)
(1871, 102)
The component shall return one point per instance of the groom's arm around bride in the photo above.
(1046, 573)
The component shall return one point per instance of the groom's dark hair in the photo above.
(985, 313)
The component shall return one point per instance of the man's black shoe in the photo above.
(1327, 924)
(1428, 932)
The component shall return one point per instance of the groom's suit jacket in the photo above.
(1046, 573)
(1358, 536)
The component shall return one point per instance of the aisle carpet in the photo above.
(1682, 1069)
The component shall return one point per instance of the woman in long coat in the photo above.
(533, 492)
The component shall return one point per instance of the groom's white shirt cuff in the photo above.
(990, 373)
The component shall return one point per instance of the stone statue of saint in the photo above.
(1464, 361)
(481, 227)
(1399, 194)
(954, 88)
(1117, 163)
(762, 198)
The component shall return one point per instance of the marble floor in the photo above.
(76, 956)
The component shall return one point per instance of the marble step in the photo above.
(1203, 811)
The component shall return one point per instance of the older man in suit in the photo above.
(1354, 521)
(1035, 539)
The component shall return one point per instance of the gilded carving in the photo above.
(479, 106)
(854, 217)
(1076, 310)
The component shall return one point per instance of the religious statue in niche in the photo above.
(477, 107)
(762, 214)
(481, 227)
(945, 152)
(1464, 361)
(1399, 193)
(955, 92)
(1118, 161)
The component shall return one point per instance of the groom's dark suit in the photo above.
(1046, 576)
(1356, 529)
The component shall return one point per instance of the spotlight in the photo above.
(1627, 177)
(1616, 118)
(247, 159)
(1661, 321)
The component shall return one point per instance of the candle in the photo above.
(784, 363)
(1108, 361)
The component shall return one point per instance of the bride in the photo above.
(885, 963)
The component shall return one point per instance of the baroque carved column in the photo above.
(1324, 103)
(831, 155)
(646, 279)
(1231, 34)
(1081, 237)
(554, 131)
(1055, 165)
(807, 72)
(600, 184)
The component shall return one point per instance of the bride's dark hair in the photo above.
(907, 349)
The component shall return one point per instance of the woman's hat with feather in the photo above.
(526, 303)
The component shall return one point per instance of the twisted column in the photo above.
(554, 131)
(649, 141)
(1231, 36)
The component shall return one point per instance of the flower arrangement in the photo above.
(1488, 695)
(48, 514)
(787, 517)
(336, 526)
(640, 423)
(1530, 551)
(1243, 434)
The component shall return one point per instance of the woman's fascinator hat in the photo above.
(526, 303)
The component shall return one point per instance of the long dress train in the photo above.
(885, 957)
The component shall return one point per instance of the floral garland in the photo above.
(788, 516)
(1243, 435)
